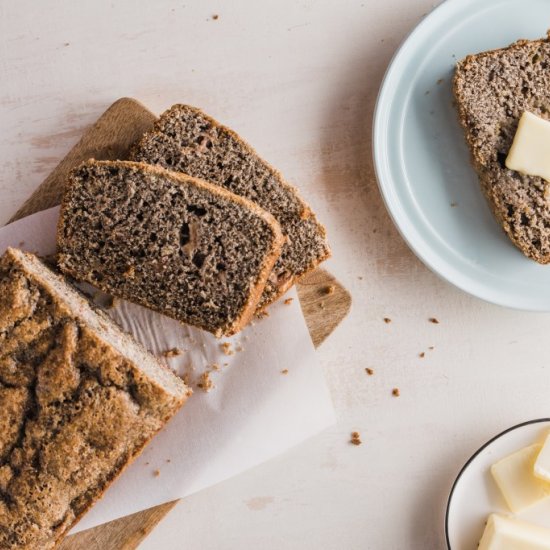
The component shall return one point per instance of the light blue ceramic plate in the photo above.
(423, 165)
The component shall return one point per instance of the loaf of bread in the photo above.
(187, 140)
(180, 246)
(78, 401)
(492, 90)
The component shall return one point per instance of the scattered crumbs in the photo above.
(370, 372)
(431, 348)
(288, 301)
(215, 366)
(226, 348)
(174, 352)
(355, 438)
(330, 289)
(205, 383)
(387, 320)
(454, 204)
(421, 355)
(433, 320)
(156, 473)
(440, 81)
(395, 392)
(284, 371)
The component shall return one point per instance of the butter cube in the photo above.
(542, 463)
(504, 533)
(516, 480)
(530, 151)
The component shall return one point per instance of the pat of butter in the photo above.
(516, 480)
(530, 151)
(504, 533)
(542, 464)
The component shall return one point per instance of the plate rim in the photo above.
(471, 459)
(425, 253)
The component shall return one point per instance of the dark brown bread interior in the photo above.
(78, 401)
(183, 247)
(492, 90)
(187, 140)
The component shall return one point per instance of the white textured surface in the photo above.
(298, 79)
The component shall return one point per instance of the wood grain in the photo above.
(324, 301)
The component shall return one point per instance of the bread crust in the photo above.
(257, 289)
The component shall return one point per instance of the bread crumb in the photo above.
(431, 348)
(421, 355)
(226, 364)
(206, 383)
(168, 460)
(387, 320)
(355, 438)
(215, 17)
(284, 371)
(288, 301)
(395, 392)
(433, 320)
(226, 348)
(370, 372)
(215, 366)
(174, 352)
(156, 473)
(330, 289)
(262, 314)
(360, 278)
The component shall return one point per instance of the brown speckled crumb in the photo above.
(387, 320)
(284, 371)
(206, 383)
(226, 348)
(215, 17)
(433, 320)
(422, 355)
(174, 352)
(369, 371)
(288, 301)
(156, 473)
(396, 392)
(355, 438)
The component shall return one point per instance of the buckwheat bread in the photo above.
(79, 399)
(177, 245)
(187, 140)
(492, 89)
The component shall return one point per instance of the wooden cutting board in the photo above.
(324, 301)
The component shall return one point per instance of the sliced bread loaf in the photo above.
(492, 90)
(180, 246)
(79, 399)
(187, 140)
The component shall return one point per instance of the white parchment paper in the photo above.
(254, 411)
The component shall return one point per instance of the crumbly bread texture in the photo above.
(492, 90)
(78, 401)
(187, 140)
(177, 245)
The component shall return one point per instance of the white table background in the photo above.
(298, 79)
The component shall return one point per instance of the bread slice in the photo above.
(79, 399)
(187, 140)
(492, 90)
(177, 245)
